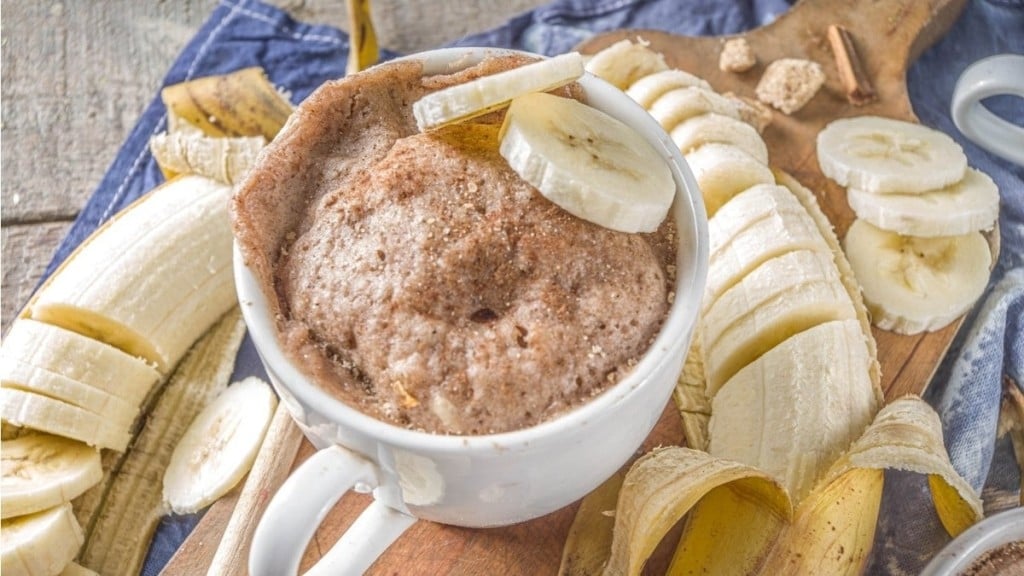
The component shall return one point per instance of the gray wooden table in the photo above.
(77, 74)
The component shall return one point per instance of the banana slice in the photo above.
(970, 205)
(779, 298)
(592, 165)
(79, 358)
(653, 86)
(883, 155)
(914, 284)
(625, 62)
(723, 170)
(219, 446)
(768, 222)
(152, 279)
(56, 417)
(23, 376)
(706, 128)
(40, 543)
(42, 471)
(483, 95)
(756, 418)
(682, 104)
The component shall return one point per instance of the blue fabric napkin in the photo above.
(967, 388)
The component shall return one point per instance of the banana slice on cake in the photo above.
(625, 62)
(723, 171)
(464, 101)
(41, 471)
(913, 284)
(219, 446)
(649, 88)
(969, 205)
(757, 416)
(882, 155)
(779, 298)
(40, 543)
(592, 165)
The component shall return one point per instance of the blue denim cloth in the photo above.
(966, 390)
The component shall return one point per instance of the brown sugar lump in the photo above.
(736, 56)
(790, 83)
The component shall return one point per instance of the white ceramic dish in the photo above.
(994, 531)
(472, 481)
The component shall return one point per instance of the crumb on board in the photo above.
(736, 56)
(790, 83)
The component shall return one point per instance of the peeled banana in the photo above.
(41, 471)
(40, 543)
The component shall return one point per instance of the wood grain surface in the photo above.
(77, 74)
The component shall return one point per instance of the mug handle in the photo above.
(992, 76)
(302, 502)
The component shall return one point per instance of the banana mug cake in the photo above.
(415, 276)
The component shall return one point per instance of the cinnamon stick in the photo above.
(856, 83)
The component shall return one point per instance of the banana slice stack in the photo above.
(916, 246)
(782, 384)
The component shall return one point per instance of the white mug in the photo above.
(469, 481)
(1002, 74)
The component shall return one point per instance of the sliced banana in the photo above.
(779, 298)
(970, 205)
(682, 104)
(79, 358)
(625, 62)
(47, 414)
(153, 278)
(882, 155)
(723, 171)
(464, 101)
(592, 165)
(77, 570)
(41, 471)
(756, 417)
(706, 128)
(653, 86)
(914, 284)
(23, 376)
(775, 227)
(40, 543)
(219, 446)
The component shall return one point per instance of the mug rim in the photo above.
(678, 325)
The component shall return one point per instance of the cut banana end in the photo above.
(625, 62)
(782, 297)
(681, 104)
(40, 543)
(42, 471)
(152, 279)
(969, 205)
(757, 225)
(62, 352)
(56, 417)
(590, 164)
(219, 446)
(882, 155)
(912, 284)
(797, 408)
(649, 88)
(707, 128)
(464, 101)
(723, 171)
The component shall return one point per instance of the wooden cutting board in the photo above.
(888, 35)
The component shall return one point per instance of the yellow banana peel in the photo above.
(363, 50)
(242, 103)
(589, 541)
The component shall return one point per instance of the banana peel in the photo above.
(224, 159)
(242, 103)
(590, 537)
(363, 50)
(741, 520)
